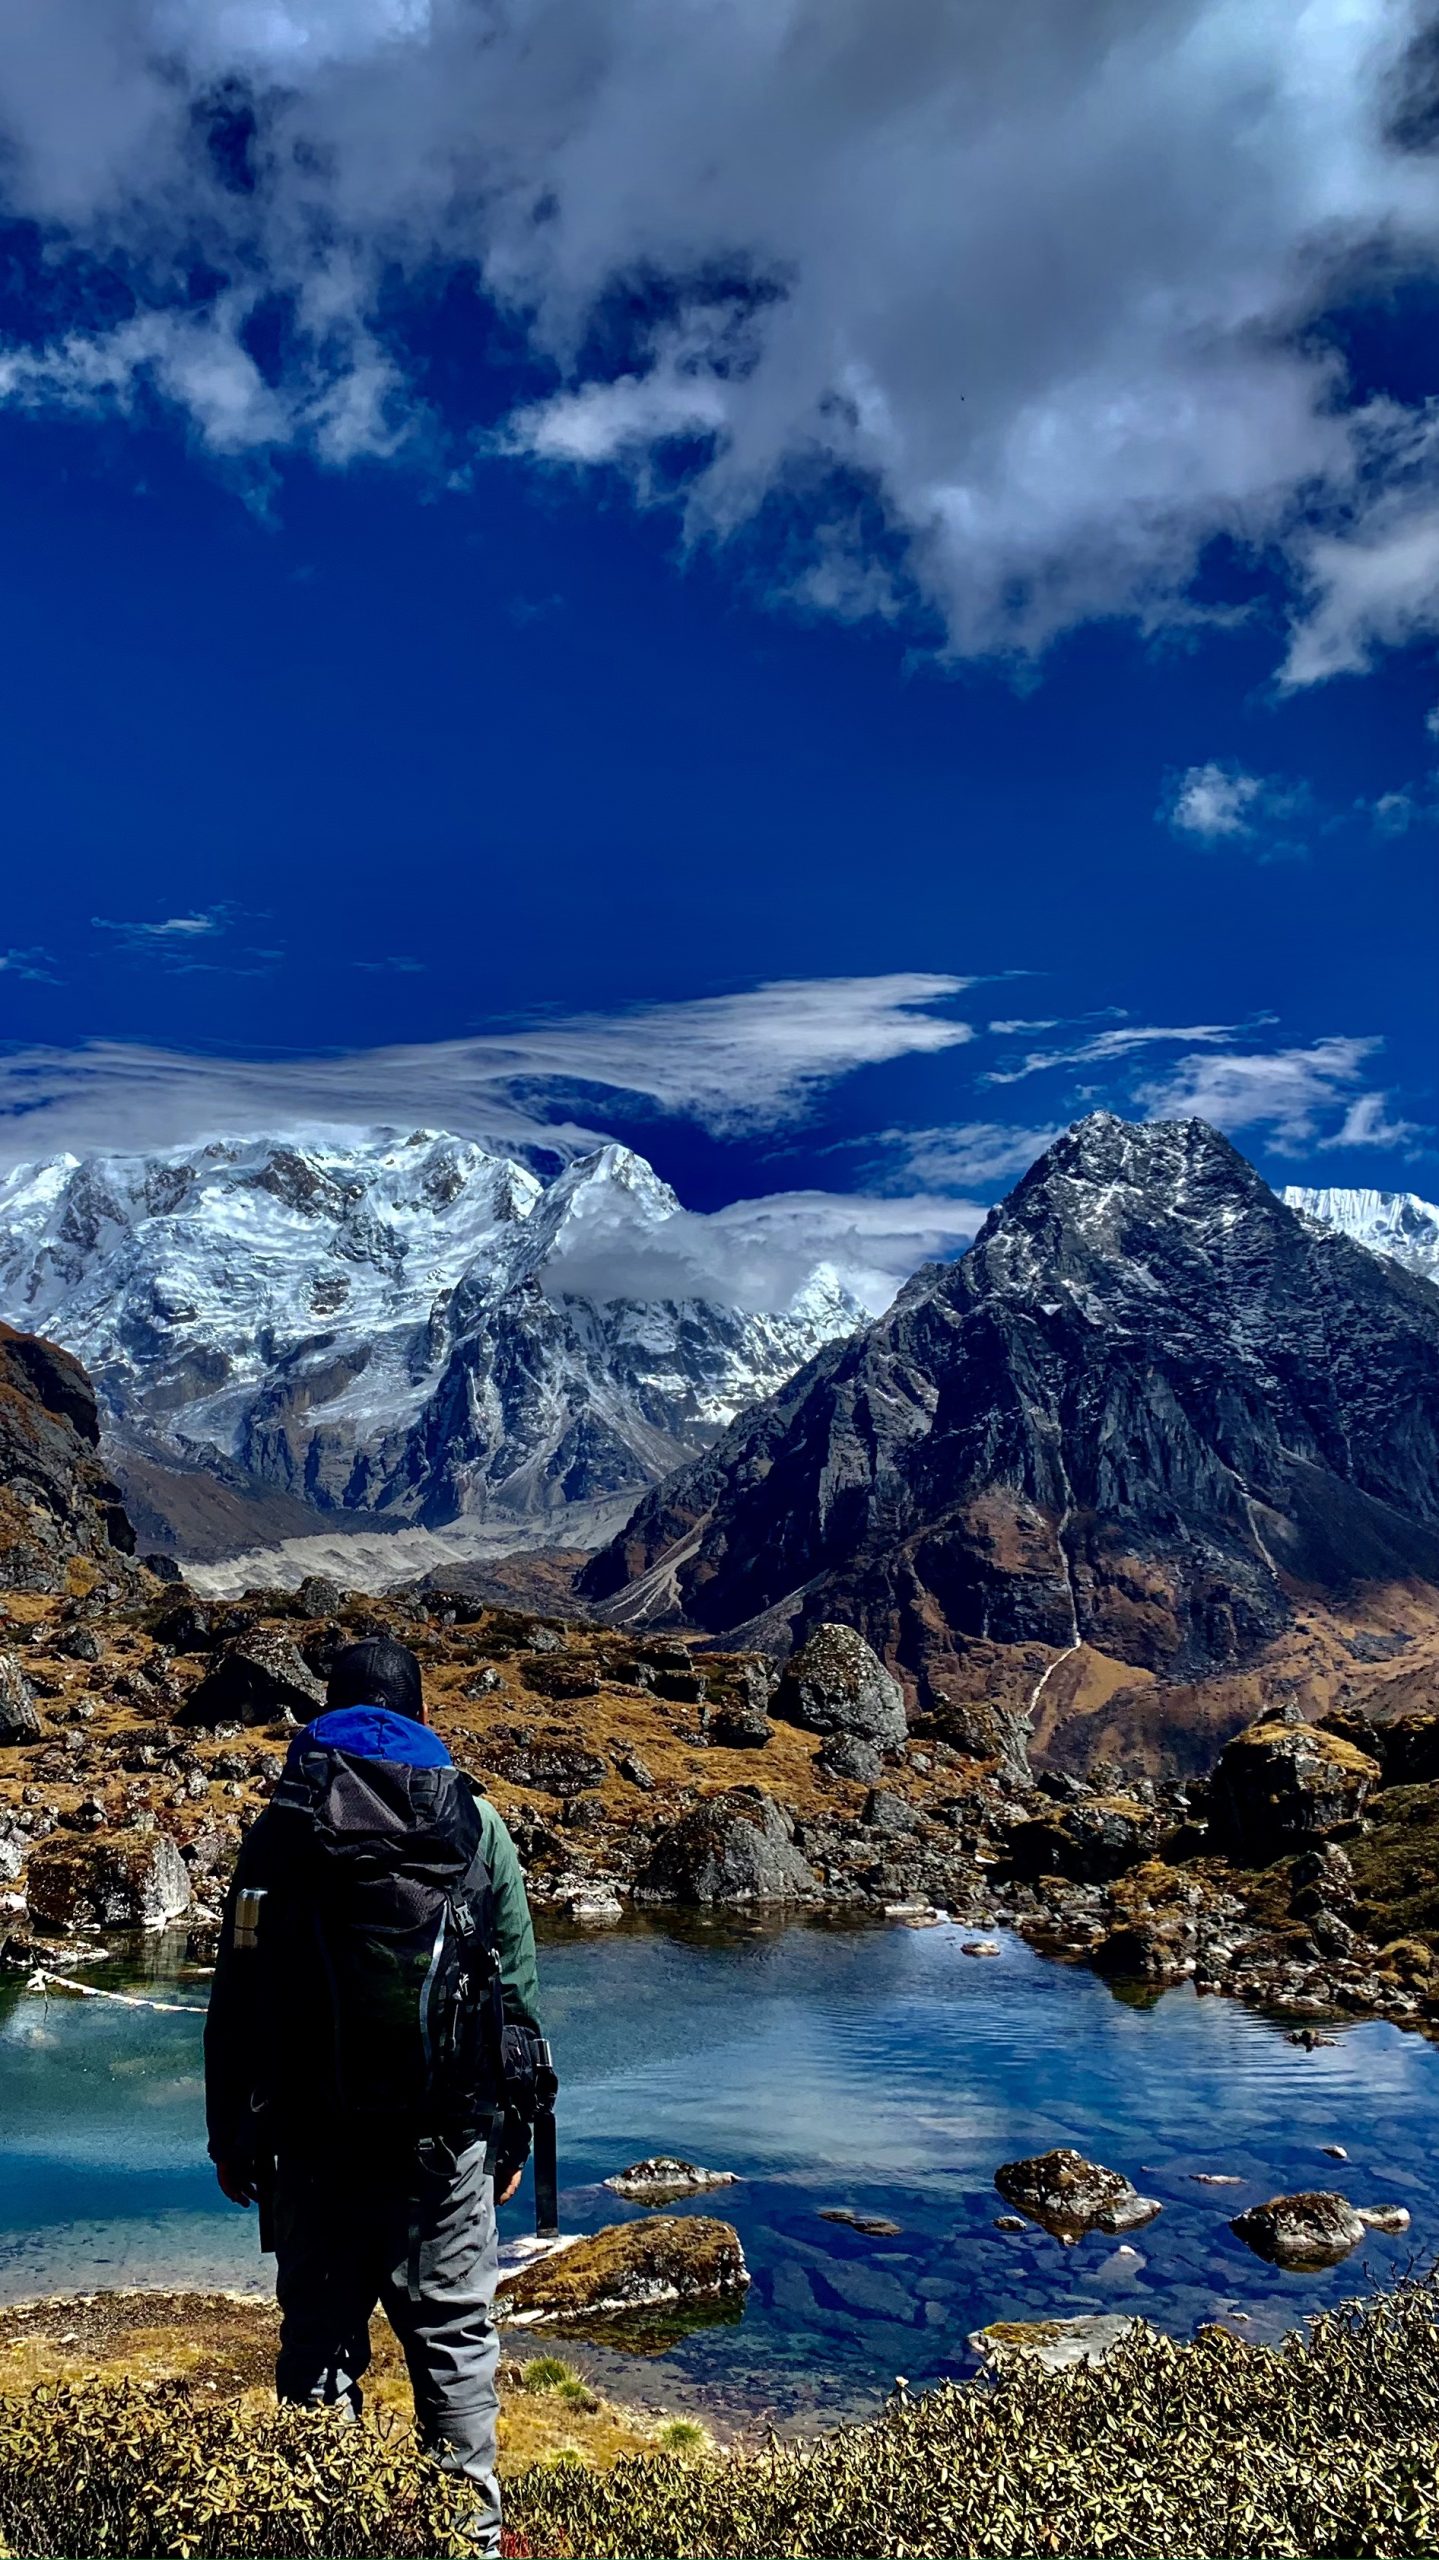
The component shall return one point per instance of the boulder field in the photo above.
(141, 1728)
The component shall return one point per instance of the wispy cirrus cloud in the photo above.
(751, 1060)
(37, 964)
(145, 933)
(973, 1156)
(1108, 1048)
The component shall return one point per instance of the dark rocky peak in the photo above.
(1148, 1404)
(1111, 1199)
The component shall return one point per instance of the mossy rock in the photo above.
(1396, 1865)
(669, 2263)
(1277, 1787)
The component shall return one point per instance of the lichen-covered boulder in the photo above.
(664, 2179)
(1315, 2229)
(735, 1847)
(19, 1719)
(1056, 2346)
(1069, 2195)
(120, 1879)
(261, 1679)
(836, 1683)
(1278, 1786)
(627, 2271)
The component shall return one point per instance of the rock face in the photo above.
(836, 1684)
(1311, 2230)
(737, 1847)
(1070, 2195)
(663, 2180)
(128, 1879)
(627, 2271)
(260, 1679)
(19, 1719)
(1147, 1393)
(1089, 1842)
(57, 1501)
(1280, 1786)
(413, 1328)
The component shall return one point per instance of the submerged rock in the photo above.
(131, 1879)
(626, 2271)
(875, 2226)
(836, 1684)
(662, 2179)
(1314, 2229)
(1069, 2195)
(1056, 2345)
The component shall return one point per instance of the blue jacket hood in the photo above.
(376, 1733)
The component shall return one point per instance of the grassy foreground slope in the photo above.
(1326, 2449)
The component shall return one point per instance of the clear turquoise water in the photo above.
(878, 2068)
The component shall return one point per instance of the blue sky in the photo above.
(514, 547)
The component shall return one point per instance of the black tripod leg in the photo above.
(547, 2186)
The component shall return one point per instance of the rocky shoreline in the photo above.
(142, 1728)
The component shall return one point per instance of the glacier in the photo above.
(379, 1325)
(1395, 1223)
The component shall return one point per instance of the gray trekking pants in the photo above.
(416, 2233)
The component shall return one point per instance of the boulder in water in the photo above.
(1069, 2195)
(736, 1847)
(837, 1684)
(1056, 2345)
(627, 2272)
(1314, 2229)
(125, 1879)
(664, 2179)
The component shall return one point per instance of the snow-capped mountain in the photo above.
(383, 1327)
(1392, 1222)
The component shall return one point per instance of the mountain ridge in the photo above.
(381, 1329)
(1148, 1401)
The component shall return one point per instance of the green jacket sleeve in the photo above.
(514, 1930)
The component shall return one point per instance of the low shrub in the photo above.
(149, 2472)
(1326, 2448)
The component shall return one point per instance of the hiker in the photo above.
(371, 2057)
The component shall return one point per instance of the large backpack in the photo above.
(382, 1980)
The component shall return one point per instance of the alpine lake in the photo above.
(877, 2068)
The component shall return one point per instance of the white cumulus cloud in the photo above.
(1004, 313)
(1298, 1097)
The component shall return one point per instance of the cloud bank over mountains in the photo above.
(999, 315)
(750, 1066)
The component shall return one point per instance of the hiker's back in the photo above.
(376, 1950)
